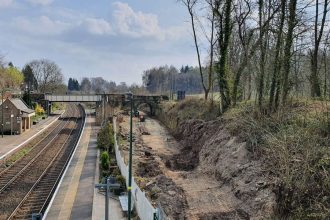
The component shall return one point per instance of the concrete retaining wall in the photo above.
(143, 206)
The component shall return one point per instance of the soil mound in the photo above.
(212, 151)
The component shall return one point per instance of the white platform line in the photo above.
(26, 141)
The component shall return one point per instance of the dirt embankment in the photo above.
(202, 174)
(242, 188)
(149, 170)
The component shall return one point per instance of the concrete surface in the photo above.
(77, 197)
(10, 142)
(115, 212)
(77, 180)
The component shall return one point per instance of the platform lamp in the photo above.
(129, 97)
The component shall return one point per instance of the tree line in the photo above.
(261, 49)
(100, 85)
(38, 76)
(168, 80)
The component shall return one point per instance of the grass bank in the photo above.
(171, 114)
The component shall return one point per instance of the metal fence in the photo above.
(143, 206)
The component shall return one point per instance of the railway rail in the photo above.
(27, 185)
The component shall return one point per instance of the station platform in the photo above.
(77, 197)
(74, 198)
(10, 143)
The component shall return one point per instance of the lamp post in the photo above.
(11, 122)
(129, 187)
(2, 125)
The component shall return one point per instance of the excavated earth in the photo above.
(209, 150)
(203, 173)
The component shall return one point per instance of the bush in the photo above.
(39, 110)
(105, 161)
(105, 138)
(121, 179)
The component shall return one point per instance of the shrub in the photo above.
(105, 161)
(121, 179)
(39, 110)
(105, 138)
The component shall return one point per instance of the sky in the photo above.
(116, 40)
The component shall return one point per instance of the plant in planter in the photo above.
(122, 181)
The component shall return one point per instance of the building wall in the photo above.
(8, 121)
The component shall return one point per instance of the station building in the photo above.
(17, 116)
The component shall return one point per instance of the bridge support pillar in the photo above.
(48, 107)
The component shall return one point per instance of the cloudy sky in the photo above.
(86, 38)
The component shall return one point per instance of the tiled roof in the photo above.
(19, 104)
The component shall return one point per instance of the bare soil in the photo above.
(202, 173)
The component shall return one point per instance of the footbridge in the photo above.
(105, 103)
(73, 98)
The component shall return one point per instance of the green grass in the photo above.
(37, 118)
(18, 155)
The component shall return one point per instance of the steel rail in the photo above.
(52, 163)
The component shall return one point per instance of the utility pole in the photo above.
(2, 125)
(129, 188)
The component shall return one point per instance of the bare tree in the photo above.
(86, 85)
(48, 75)
(314, 78)
(275, 81)
(287, 49)
(190, 4)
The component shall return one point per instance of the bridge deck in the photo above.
(73, 98)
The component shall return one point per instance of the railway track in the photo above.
(27, 185)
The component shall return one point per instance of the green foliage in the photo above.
(29, 78)
(105, 161)
(105, 138)
(10, 77)
(57, 106)
(15, 75)
(73, 85)
(39, 110)
(121, 179)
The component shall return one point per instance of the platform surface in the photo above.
(74, 199)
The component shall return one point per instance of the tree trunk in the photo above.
(190, 6)
(314, 78)
(262, 57)
(287, 49)
(277, 60)
(222, 65)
